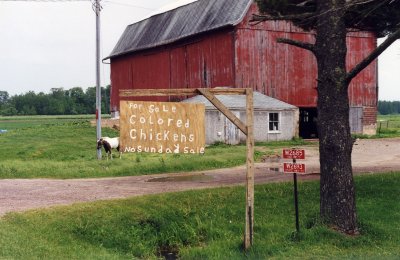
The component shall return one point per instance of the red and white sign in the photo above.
(294, 154)
(294, 167)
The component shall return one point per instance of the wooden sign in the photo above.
(162, 127)
(294, 154)
(294, 168)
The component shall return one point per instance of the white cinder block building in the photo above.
(274, 120)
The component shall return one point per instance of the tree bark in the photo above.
(337, 201)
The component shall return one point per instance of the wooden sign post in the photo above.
(250, 170)
(247, 129)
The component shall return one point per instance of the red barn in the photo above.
(211, 43)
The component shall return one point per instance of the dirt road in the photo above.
(369, 156)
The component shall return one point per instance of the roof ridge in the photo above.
(260, 101)
(179, 23)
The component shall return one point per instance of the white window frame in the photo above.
(279, 122)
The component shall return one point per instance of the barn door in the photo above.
(231, 131)
(308, 123)
(355, 118)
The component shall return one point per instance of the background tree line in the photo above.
(58, 102)
(75, 101)
(388, 107)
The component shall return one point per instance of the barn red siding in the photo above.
(179, 73)
(277, 70)
(289, 73)
(246, 55)
(145, 71)
(202, 62)
(121, 77)
(363, 88)
(210, 61)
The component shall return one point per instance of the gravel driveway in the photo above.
(369, 156)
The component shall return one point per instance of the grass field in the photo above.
(23, 122)
(388, 126)
(208, 224)
(205, 224)
(65, 147)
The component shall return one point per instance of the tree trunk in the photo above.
(337, 192)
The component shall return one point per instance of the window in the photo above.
(273, 122)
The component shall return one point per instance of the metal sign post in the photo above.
(294, 168)
(296, 200)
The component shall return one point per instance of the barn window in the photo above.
(273, 119)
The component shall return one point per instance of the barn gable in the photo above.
(185, 21)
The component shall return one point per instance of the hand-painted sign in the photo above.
(162, 127)
(294, 168)
(294, 154)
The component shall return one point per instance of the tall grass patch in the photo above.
(208, 224)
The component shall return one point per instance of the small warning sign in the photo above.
(294, 154)
(294, 167)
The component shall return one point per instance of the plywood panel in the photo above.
(161, 127)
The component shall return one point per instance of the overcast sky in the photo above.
(48, 45)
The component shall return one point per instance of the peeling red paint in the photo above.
(244, 56)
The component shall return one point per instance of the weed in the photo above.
(162, 161)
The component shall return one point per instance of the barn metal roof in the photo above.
(260, 102)
(188, 20)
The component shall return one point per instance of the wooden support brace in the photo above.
(224, 110)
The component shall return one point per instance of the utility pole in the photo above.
(97, 8)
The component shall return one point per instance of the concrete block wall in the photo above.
(289, 126)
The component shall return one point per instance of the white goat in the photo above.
(108, 144)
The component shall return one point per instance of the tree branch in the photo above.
(303, 45)
(289, 17)
(370, 58)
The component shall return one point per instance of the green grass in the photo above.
(65, 147)
(21, 122)
(388, 126)
(68, 150)
(394, 120)
(208, 224)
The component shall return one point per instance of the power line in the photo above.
(96, 6)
